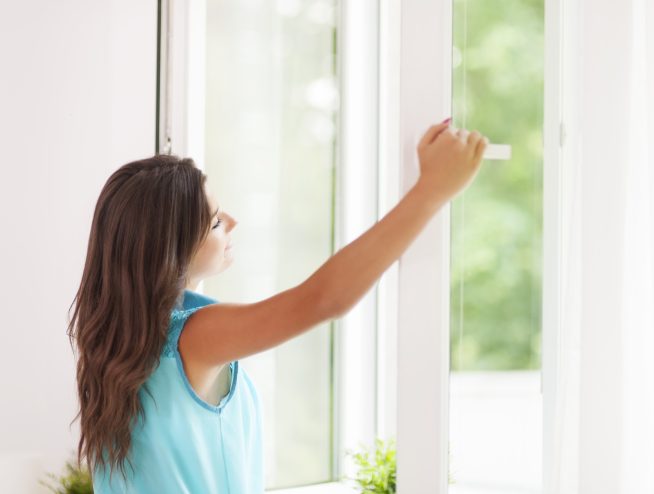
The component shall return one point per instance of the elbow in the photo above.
(337, 304)
(331, 306)
(327, 302)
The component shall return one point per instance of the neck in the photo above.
(192, 285)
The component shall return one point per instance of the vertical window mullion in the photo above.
(551, 318)
(356, 212)
(424, 279)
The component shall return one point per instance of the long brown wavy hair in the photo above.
(151, 217)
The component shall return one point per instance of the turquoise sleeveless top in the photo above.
(185, 445)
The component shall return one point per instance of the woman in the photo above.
(158, 377)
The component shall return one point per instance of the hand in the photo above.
(449, 159)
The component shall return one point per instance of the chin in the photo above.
(225, 263)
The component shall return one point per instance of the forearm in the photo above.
(348, 275)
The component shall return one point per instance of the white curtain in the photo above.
(603, 434)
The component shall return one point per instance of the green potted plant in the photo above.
(377, 469)
(74, 481)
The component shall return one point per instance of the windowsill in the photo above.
(328, 488)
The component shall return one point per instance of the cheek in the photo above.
(214, 246)
(211, 250)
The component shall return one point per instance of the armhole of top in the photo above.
(177, 325)
(177, 320)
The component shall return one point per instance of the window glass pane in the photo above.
(270, 141)
(495, 402)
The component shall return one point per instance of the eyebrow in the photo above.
(216, 211)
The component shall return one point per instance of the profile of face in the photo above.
(216, 253)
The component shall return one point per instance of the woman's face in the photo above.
(215, 254)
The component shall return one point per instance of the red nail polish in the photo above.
(447, 120)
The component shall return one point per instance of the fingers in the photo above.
(473, 139)
(432, 133)
(480, 147)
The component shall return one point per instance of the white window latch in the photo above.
(497, 152)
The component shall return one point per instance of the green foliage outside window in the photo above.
(498, 82)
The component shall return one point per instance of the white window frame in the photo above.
(554, 179)
(398, 386)
(425, 45)
(356, 211)
(424, 273)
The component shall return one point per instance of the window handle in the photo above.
(497, 152)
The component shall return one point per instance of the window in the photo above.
(496, 242)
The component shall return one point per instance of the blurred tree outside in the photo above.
(496, 227)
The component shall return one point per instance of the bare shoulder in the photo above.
(220, 333)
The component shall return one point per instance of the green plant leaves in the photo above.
(74, 481)
(377, 469)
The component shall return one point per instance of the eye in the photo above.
(216, 225)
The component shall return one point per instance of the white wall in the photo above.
(77, 100)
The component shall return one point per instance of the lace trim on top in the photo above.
(177, 319)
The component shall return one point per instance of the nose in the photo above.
(232, 222)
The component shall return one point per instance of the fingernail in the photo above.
(447, 120)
